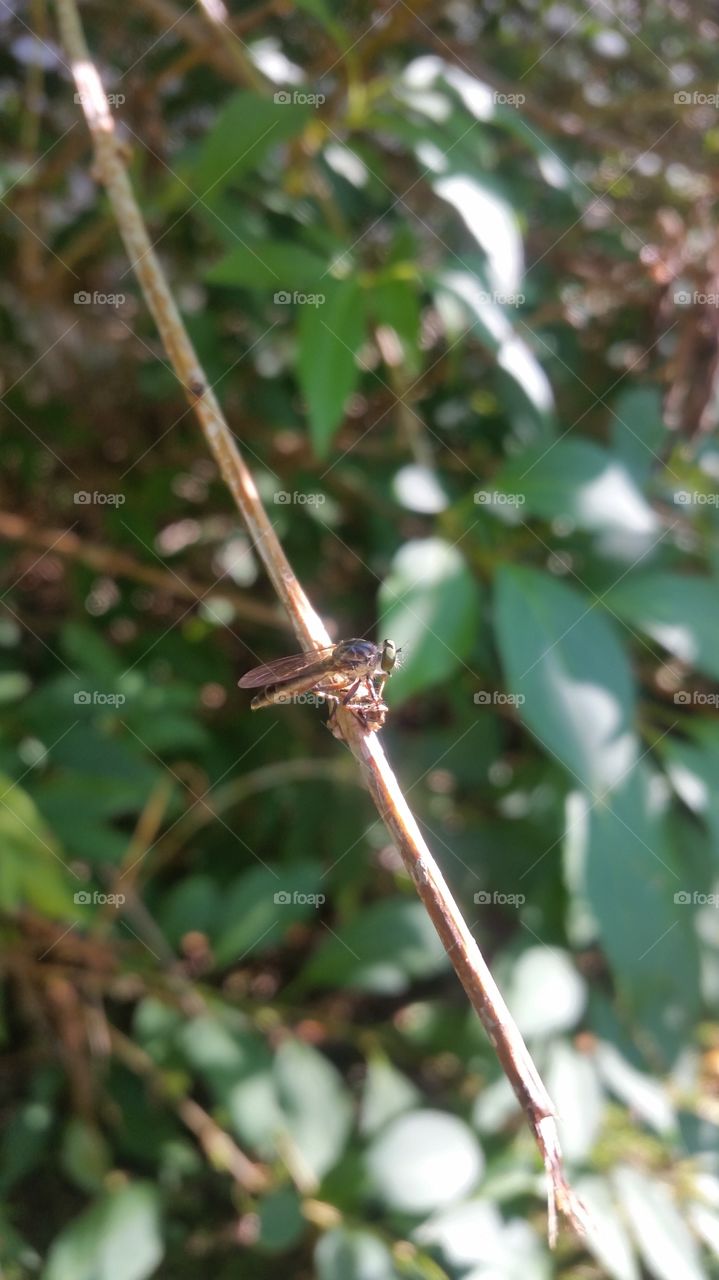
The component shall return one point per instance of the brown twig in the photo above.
(219, 1148)
(461, 947)
(107, 560)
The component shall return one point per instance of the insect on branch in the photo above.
(346, 724)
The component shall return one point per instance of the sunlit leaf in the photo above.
(315, 1104)
(118, 1238)
(665, 1243)
(342, 1254)
(382, 948)
(680, 612)
(423, 1160)
(576, 480)
(625, 869)
(430, 606)
(562, 656)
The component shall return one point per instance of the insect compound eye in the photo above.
(389, 655)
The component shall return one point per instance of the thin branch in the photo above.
(220, 1149)
(119, 564)
(383, 786)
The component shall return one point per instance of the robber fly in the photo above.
(352, 673)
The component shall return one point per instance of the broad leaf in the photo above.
(248, 126)
(625, 869)
(381, 948)
(275, 265)
(424, 1160)
(561, 655)
(342, 1254)
(680, 612)
(430, 606)
(665, 1243)
(118, 1238)
(315, 1104)
(330, 336)
(579, 481)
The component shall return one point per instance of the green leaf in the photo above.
(85, 1155)
(572, 1077)
(546, 994)
(418, 488)
(259, 908)
(236, 1064)
(646, 1097)
(624, 867)
(86, 648)
(270, 264)
(430, 606)
(474, 1234)
(248, 126)
(579, 481)
(396, 303)
(563, 658)
(493, 223)
(14, 685)
(666, 1244)
(281, 1221)
(638, 430)
(32, 871)
(692, 766)
(607, 1237)
(118, 1238)
(680, 612)
(518, 368)
(424, 1160)
(353, 1255)
(330, 336)
(315, 1104)
(192, 904)
(386, 1094)
(25, 1137)
(382, 948)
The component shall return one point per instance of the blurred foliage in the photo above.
(453, 272)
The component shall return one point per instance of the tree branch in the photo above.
(383, 786)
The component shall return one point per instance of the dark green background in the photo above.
(484, 424)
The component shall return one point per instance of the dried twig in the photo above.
(119, 564)
(219, 1148)
(461, 947)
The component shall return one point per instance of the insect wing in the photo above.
(286, 668)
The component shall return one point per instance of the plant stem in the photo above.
(382, 784)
